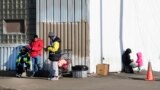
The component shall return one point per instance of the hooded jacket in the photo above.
(139, 59)
(36, 47)
(23, 57)
(54, 49)
(126, 57)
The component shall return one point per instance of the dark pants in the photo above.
(20, 68)
(128, 69)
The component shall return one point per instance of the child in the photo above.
(23, 61)
(139, 61)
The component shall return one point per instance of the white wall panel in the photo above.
(42, 11)
(49, 10)
(142, 29)
(94, 34)
(111, 34)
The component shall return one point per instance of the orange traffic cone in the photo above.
(150, 76)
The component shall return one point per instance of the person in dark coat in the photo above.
(126, 60)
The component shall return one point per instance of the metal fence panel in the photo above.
(8, 55)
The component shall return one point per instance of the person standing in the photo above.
(139, 61)
(54, 55)
(36, 47)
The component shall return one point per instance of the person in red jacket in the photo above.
(36, 47)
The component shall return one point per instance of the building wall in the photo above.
(108, 31)
(111, 34)
(24, 10)
(94, 35)
(8, 56)
(104, 34)
(68, 19)
(141, 30)
(125, 24)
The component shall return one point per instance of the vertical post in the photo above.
(38, 17)
(121, 29)
(101, 30)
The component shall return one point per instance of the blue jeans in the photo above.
(36, 64)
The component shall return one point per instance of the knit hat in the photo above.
(35, 36)
(51, 34)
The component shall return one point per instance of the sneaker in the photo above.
(18, 75)
(24, 74)
(60, 76)
(55, 78)
(32, 75)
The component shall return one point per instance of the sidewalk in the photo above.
(111, 82)
(138, 76)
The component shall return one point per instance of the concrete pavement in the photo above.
(115, 81)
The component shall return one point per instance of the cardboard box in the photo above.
(102, 69)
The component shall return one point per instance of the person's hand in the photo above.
(132, 60)
(45, 49)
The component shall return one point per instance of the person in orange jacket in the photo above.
(36, 47)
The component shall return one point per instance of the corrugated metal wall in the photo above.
(73, 36)
(8, 55)
(10, 41)
(68, 20)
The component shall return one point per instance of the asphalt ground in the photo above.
(114, 81)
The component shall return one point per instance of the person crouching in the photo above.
(23, 61)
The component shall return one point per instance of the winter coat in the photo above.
(54, 49)
(36, 47)
(139, 59)
(126, 62)
(23, 59)
(126, 57)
